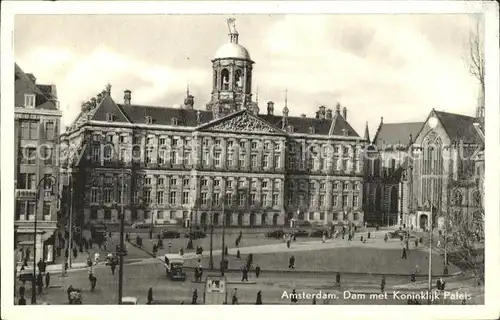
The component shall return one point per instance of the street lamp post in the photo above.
(223, 265)
(70, 244)
(430, 238)
(211, 261)
(122, 245)
(37, 198)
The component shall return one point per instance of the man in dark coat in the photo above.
(47, 280)
(75, 252)
(337, 279)
(226, 251)
(314, 299)
(39, 282)
(93, 282)
(150, 295)
(293, 299)
(257, 271)
(291, 263)
(91, 243)
(22, 301)
(403, 256)
(22, 289)
(195, 297)
(245, 274)
(412, 277)
(112, 265)
(235, 296)
(382, 284)
(238, 255)
(259, 298)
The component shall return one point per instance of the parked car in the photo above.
(301, 233)
(25, 275)
(398, 234)
(196, 234)
(170, 234)
(278, 233)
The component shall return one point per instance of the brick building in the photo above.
(37, 118)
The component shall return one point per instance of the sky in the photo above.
(394, 66)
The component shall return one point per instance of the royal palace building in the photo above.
(173, 165)
(36, 136)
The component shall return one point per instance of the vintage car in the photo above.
(196, 234)
(278, 233)
(398, 234)
(174, 264)
(316, 233)
(170, 234)
(301, 233)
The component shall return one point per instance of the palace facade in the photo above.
(37, 119)
(173, 165)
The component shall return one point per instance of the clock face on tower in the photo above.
(433, 122)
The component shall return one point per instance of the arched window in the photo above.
(224, 84)
(238, 79)
(263, 219)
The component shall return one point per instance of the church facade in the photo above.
(227, 164)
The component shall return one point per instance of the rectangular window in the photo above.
(275, 200)
(241, 184)
(159, 197)
(276, 184)
(216, 183)
(33, 130)
(96, 154)
(311, 185)
(264, 199)
(217, 158)
(229, 184)
(345, 186)
(173, 198)
(107, 214)
(187, 158)
(253, 160)
(321, 200)
(229, 199)
(345, 201)
(161, 182)
(253, 184)
(46, 208)
(29, 100)
(204, 182)
(241, 199)
(149, 156)
(123, 139)
(185, 183)
(49, 130)
(205, 159)
(206, 142)
(277, 162)
(150, 140)
(217, 143)
(94, 196)
(173, 157)
(230, 143)
(173, 182)
(147, 196)
(163, 141)
(241, 161)
(344, 164)
(355, 201)
(242, 144)
(265, 161)
(264, 184)
(216, 199)
(204, 199)
(120, 198)
(252, 199)
(229, 160)
(147, 181)
(335, 201)
(311, 215)
(175, 142)
(254, 145)
(321, 216)
(135, 196)
(22, 182)
(322, 186)
(25, 129)
(107, 195)
(185, 198)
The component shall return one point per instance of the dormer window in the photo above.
(149, 120)
(174, 121)
(110, 117)
(312, 130)
(29, 100)
(289, 128)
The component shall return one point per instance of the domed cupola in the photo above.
(232, 76)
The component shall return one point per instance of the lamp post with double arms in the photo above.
(223, 264)
(121, 252)
(37, 198)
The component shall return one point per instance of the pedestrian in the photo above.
(93, 283)
(412, 279)
(181, 252)
(47, 279)
(382, 284)
(75, 252)
(112, 265)
(196, 272)
(245, 274)
(257, 271)
(96, 258)
(226, 251)
(361, 238)
(22, 289)
(421, 239)
(237, 242)
(127, 237)
(403, 256)
(439, 244)
(195, 297)
(323, 238)
(91, 243)
(314, 299)
(259, 298)
(293, 298)
(235, 296)
(416, 243)
(66, 266)
(22, 301)
(238, 255)
(39, 282)
(150, 295)
(369, 234)
(288, 244)
(291, 263)
(401, 238)
(337, 279)
(70, 289)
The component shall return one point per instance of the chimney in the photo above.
(31, 77)
(270, 108)
(317, 114)
(344, 113)
(328, 115)
(303, 115)
(99, 97)
(127, 97)
(321, 112)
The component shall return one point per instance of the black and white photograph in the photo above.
(231, 153)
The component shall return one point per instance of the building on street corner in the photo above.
(37, 118)
(182, 163)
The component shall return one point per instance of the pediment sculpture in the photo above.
(244, 123)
